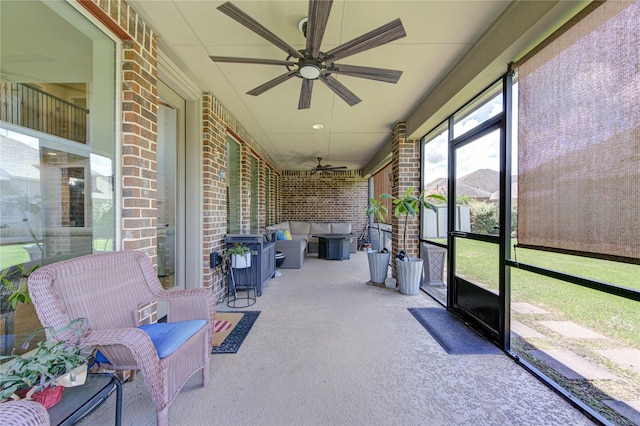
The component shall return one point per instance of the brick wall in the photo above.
(406, 174)
(217, 124)
(338, 197)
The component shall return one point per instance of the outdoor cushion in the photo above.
(299, 227)
(166, 336)
(320, 228)
(341, 228)
(280, 236)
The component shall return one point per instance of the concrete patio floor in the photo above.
(328, 349)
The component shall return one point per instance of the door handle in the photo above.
(458, 234)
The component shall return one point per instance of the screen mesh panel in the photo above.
(579, 138)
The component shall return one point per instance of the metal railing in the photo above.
(28, 106)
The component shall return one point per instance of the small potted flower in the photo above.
(240, 256)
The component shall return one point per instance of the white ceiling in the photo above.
(438, 35)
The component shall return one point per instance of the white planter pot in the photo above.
(76, 377)
(409, 275)
(378, 265)
(241, 261)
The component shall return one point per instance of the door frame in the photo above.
(175, 78)
(488, 312)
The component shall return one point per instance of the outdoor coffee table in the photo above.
(333, 246)
(79, 401)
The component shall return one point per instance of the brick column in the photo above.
(214, 214)
(406, 174)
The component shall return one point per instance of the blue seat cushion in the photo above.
(166, 336)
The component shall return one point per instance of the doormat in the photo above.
(452, 334)
(230, 329)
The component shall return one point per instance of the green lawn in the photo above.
(610, 315)
(12, 255)
(16, 254)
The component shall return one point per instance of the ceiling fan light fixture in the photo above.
(309, 68)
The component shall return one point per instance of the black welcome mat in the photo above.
(232, 342)
(453, 335)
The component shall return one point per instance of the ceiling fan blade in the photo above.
(382, 35)
(339, 89)
(379, 74)
(236, 60)
(305, 94)
(318, 16)
(271, 84)
(335, 168)
(242, 18)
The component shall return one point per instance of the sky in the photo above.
(481, 154)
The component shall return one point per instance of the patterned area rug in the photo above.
(230, 330)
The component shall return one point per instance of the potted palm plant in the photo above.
(41, 375)
(378, 259)
(240, 256)
(410, 268)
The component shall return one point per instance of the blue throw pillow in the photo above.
(280, 235)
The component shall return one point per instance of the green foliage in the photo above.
(463, 200)
(51, 359)
(13, 283)
(408, 205)
(484, 218)
(239, 249)
(379, 212)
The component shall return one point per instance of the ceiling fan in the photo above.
(327, 168)
(311, 63)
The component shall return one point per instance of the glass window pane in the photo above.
(254, 197)
(482, 108)
(57, 144)
(478, 185)
(585, 340)
(436, 177)
(234, 202)
(477, 262)
(267, 197)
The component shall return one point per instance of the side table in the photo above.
(79, 401)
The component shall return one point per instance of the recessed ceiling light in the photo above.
(318, 126)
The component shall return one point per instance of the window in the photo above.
(254, 194)
(57, 139)
(435, 177)
(234, 187)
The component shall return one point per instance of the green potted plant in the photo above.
(410, 268)
(240, 256)
(42, 374)
(378, 259)
(13, 291)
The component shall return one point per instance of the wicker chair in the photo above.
(23, 413)
(108, 290)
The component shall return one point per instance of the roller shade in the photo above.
(579, 138)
